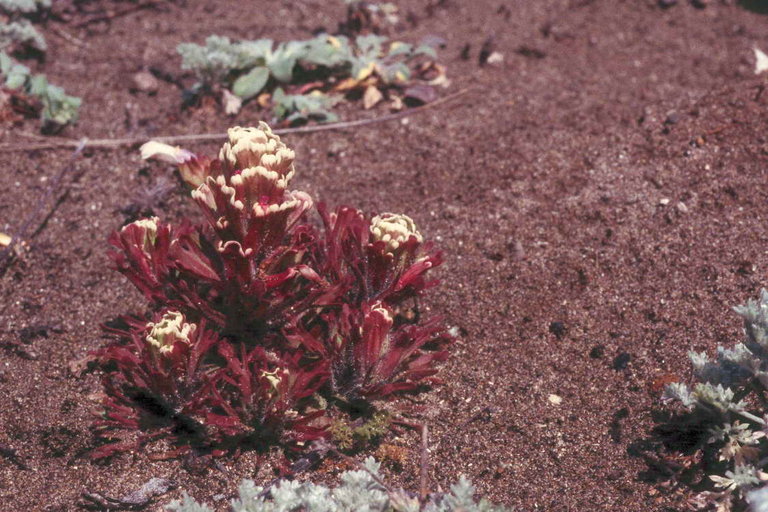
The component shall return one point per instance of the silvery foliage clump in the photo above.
(758, 500)
(17, 31)
(249, 67)
(731, 402)
(21, 33)
(359, 491)
(58, 107)
(220, 57)
(24, 6)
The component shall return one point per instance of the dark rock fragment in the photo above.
(558, 329)
(136, 500)
(489, 46)
(597, 352)
(465, 52)
(621, 361)
(32, 332)
(420, 94)
(530, 52)
(672, 118)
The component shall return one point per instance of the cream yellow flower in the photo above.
(170, 329)
(394, 229)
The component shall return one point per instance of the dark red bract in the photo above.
(256, 312)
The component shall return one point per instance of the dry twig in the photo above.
(62, 143)
(424, 474)
(110, 15)
(424, 463)
(23, 231)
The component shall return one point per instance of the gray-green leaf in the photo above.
(252, 83)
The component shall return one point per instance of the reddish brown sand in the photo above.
(616, 184)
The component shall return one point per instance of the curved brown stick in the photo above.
(62, 143)
(55, 185)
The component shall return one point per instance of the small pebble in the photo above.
(495, 59)
(672, 118)
(555, 399)
(145, 82)
(664, 4)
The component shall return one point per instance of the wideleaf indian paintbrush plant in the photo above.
(260, 319)
(728, 409)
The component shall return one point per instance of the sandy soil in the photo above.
(600, 197)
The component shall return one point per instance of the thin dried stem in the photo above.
(63, 143)
(22, 232)
(424, 476)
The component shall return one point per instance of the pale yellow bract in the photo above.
(394, 229)
(164, 334)
(257, 147)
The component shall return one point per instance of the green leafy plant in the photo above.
(23, 93)
(24, 6)
(31, 93)
(21, 33)
(16, 32)
(302, 79)
(726, 412)
(348, 436)
(303, 107)
(361, 490)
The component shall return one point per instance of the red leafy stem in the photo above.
(258, 310)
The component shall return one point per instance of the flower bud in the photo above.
(148, 232)
(394, 229)
(164, 334)
(257, 147)
(273, 378)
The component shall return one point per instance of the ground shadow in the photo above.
(758, 6)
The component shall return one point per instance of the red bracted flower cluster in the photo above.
(256, 311)
(160, 382)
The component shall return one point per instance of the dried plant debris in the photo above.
(362, 489)
(727, 415)
(148, 200)
(359, 434)
(260, 322)
(302, 80)
(23, 93)
(136, 500)
(368, 18)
